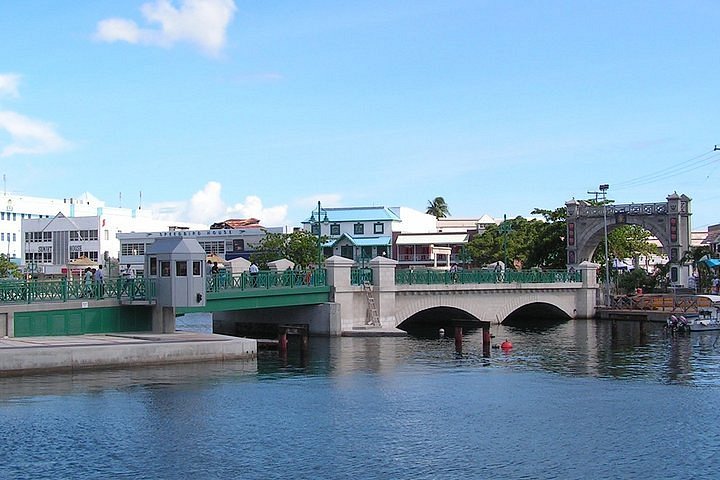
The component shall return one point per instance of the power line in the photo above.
(700, 161)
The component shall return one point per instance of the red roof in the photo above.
(236, 223)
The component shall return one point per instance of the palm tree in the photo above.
(438, 208)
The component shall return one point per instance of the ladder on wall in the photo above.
(372, 318)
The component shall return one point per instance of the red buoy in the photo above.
(506, 345)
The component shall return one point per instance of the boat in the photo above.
(707, 318)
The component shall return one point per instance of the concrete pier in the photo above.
(70, 353)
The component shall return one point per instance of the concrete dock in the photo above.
(21, 355)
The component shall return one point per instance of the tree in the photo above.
(8, 269)
(438, 208)
(705, 274)
(299, 247)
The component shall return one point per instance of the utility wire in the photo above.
(699, 161)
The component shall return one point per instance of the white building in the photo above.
(225, 243)
(48, 233)
(362, 233)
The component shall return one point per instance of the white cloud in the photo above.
(200, 22)
(206, 206)
(118, 29)
(29, 136)
(9, 85)
(253, 208)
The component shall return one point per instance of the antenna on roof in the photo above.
(140, 207)
(4, 185)
(120, 199)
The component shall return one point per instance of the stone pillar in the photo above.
(679, 234)
(4, 324)
(338, 271)
(587, 296)
(383, 269)
(343, 294)
(163, 319)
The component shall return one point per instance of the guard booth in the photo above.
(177, 265)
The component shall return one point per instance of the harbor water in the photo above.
(572, 400)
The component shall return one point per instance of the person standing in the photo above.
(100, 281)
(88, 279)
(253, 274)
(129, 277)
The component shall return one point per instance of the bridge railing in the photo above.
(63, 290)
(358, 276)
(660, 302)
(475, 276)
(267, 279)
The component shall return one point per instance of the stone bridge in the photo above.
(396, 304)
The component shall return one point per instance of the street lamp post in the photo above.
(318, 222)
(505, 229)
(604, 188)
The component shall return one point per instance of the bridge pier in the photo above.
(487, 338)
(163, 319)
(458, 339)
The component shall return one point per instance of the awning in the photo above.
(712, 262)
(383, 241)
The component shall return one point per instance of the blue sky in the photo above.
(217, 109)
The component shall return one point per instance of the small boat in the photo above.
(703, 324)
(707, 318)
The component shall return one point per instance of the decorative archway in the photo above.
(669, 221)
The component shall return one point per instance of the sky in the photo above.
(211, 109)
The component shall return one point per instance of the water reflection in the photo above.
(621, 350)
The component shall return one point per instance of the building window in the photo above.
(366, 252)
(359, 228)
(14, 217)
(107, 234)
(14, 237)
(77, 254)
(2, 237)
(347, 251)
(83, 235)
(197, 269)
(213, 247)
(335, 229)
(378, 228)
(47, 236)
(153, 266)
(238, 245)
(315, 229)
(132, 249)
(180, 269)
(165, 268)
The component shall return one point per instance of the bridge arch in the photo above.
(437, 317)
(668, 221)
(536, 314)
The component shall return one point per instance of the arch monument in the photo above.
(668, 221)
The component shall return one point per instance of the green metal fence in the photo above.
(63, 290)
(267, 280)
(440, 277)
(358, 276)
